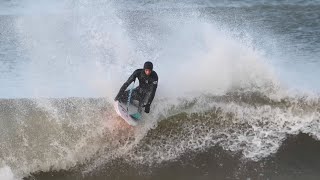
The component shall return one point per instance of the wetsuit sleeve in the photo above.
(132, 78)
(154, 89)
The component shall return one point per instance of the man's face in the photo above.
(148, 72)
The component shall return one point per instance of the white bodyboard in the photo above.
(121, 110)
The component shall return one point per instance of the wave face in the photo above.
(59, 134)
(237, 89)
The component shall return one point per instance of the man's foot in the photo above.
(136, 116)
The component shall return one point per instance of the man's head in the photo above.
(148, 66)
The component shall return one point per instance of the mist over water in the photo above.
(86, 48)
(231, 75)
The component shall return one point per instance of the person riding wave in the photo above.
(145, 92)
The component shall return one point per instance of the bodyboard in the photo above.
(127, 115)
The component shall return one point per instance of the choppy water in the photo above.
(238, 92)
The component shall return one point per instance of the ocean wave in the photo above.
(57, 134)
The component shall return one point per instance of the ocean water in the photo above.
(238, 94)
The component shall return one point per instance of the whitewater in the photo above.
(237, 86)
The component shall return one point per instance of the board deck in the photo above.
(122, 111)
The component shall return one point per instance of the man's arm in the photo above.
(132, 78)
(153, 93)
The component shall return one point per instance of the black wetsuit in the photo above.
(144, 93)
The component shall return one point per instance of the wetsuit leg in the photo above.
(139, 95)
(143, 100)
(135, 95)
(124, 97)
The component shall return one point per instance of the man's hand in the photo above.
(147, 108)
